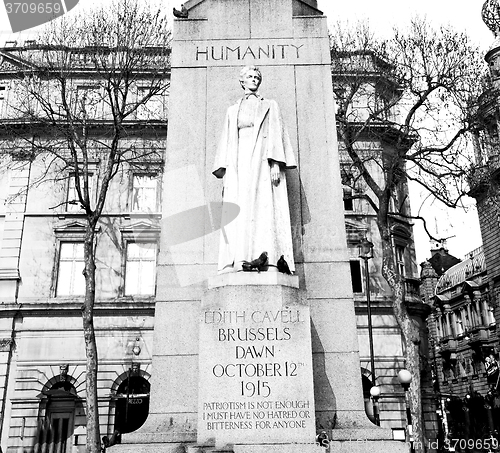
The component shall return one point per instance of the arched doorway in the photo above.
(132, 403)
(57, 427)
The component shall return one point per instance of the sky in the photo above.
(460, 226)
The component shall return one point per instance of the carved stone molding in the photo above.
(63, 371)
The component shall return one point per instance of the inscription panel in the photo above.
(260, 52)
(256, 373)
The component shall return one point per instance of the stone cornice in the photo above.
(9, 274)
(418, 309)
(73, 308)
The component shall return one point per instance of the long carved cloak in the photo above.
(263, 223)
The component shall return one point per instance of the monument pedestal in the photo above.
(256, 388)
(271, 364)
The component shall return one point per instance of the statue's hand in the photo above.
(275, 173)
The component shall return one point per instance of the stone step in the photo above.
(206, 449)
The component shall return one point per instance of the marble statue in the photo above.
(252, 156)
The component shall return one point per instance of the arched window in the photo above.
(132, 403)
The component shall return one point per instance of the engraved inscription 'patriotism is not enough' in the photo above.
(248, 53)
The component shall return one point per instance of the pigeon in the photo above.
(283, 266)
(182, 14)
(260, 263)
(110, 441)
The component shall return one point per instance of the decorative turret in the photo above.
(491, 17)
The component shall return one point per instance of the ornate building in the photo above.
(484, 180)
(465, 296)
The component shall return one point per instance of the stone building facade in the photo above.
(484, 178)
(42, 368)
(42, 378)
(366, 71)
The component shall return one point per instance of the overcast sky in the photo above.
(382, 16)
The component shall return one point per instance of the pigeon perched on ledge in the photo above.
(283, 266)
(261, 263)
(182, 14)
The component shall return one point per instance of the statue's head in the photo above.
(250, 78)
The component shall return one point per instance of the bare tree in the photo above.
(81, 96)
(415, 93)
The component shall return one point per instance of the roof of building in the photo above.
(441, 261)
(473, 265)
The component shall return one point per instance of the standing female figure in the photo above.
(253, 154)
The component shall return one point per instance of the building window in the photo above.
(348, 201)
(477, 315)
(402, 239)
(140, 269)
(70, 279)
(152, 108)
(400, 259)
(357, 285)
(72, 200)
(459, 324)
(89, 100)
(3, 93)
(491, 315)
(466, 318)
(132, 404)
(439, 330)
(347, 179)
(144, 193)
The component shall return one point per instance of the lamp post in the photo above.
(405, 377)
(375, 394)
(365, 248)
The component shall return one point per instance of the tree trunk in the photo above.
(93, 429)
(415, 394)
(410, 332)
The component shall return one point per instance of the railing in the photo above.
(412, 290)
(447, 344)
(478, 334)
(494, 161)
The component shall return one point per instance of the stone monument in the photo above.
(254, 361)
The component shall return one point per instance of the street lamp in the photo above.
(375, 394)
(365, 248)
(404, 377)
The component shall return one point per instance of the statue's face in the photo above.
(251, 81)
